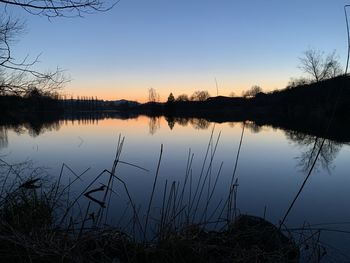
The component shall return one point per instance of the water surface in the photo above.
(272, 164)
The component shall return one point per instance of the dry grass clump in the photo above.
(29, 233)
(248, 239)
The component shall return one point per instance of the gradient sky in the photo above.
(182, 46)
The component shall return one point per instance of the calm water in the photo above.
(271, 167)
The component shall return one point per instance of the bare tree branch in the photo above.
(19, 77)
(318, 67)
(200, 95)
(61, 8)
(153, 95)
(252, 92)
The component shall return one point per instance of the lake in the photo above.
(271, 166)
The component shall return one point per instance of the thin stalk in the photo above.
(110, 180)
(162, 211)
(214, 211)
(152, 193)
(189, 199)
(188, 167)
(168, 206)
(84, 220)
(229, 217)
(211, 193)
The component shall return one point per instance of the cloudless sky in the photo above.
(182, 46)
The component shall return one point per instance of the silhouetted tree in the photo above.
(318, 66)
(200, 95)
(153, 96)
(182, 97)
(252, 92)
(17, 77)
(171, 98)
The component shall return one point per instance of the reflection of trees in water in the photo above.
(36, 129)
(312, 144)
(33, 129)
(153, 124)
(18, 129)
(197, 123)
(92, 117)
(171, 122)
(231, 124)
(182, 121)
(200, 124)
(253, 127)
(3, 137)
(36, 126)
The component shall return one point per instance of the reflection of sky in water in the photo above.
(269, 172)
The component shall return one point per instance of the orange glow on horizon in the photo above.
(109, 92)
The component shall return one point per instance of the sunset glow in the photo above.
(184, 46)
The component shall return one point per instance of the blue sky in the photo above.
(182, 46)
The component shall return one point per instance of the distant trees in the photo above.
(171, 98)
(319, 66)
(182, 97)
(252, 92)
(295, 82)
(200, 95)
(153, 96)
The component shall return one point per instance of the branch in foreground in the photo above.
(61, 8)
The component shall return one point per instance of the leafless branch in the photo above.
(61, 8)
(318, 66)
(20, 77)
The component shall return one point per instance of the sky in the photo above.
(183, 46)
